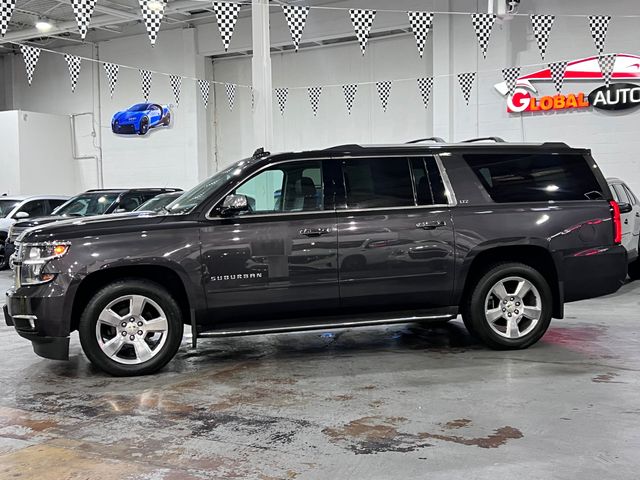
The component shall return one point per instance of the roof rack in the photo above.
(429, 139)
(484, 139)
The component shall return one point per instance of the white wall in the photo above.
(9, 165)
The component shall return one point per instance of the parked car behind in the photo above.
(158, 203)
(18, 207)
(630, 214)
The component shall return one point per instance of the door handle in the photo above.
(431, 225)
(314, 232)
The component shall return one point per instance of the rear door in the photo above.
(395, 234)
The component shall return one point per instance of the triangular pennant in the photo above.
(83, 9)
(558, 70)
(483, 25)
(466, 84)
(511, 76)
(6, 10)
(362, 21)
(152, 13)
(599, 24)
(425, 85)
(145, 79)
(421, 23)
(73, 62)
(227, 16)
(607, 62)
(112, 76)
(204, 91)
(542, 25)
(296, 16)
(230, 88)
(384, 90)
(350, 95)
(281, 95)
(314, 98)
(176, 86)
(30, 56)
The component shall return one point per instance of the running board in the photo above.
(240, 331)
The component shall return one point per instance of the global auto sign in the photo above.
(617, 96)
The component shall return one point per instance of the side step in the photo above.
(241, 330)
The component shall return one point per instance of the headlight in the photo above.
(33, 259)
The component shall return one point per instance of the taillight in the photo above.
(617, 222)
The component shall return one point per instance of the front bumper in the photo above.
(127, 128)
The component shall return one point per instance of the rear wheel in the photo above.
(131, 327)
(509, 307)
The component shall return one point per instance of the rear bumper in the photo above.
(594, 272)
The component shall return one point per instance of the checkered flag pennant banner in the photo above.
(152, 13)
(112, 76)
(176, 86)
(73, 62)
(542, 25)
(599, 24)
(483, 25)
(145, 79)
(421, 23)
(384, 90)
(558, 70)
(466, 84)
(6, 10)
(281, 95)
(204, 91)
(362, 21)
(607, 63)
(83, 9)
(230, 88)
(296, 16)
(425, 85)
(314, 98)
(350, 95)
(30, 56)
(511, 76)
(227, 16)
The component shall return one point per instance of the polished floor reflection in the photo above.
(405, 401)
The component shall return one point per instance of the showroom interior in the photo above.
(140, 142)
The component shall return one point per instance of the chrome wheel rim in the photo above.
(513, 307)
(132, 329)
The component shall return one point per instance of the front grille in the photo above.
(124, 128)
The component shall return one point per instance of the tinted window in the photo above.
(35, 208)
(53, 204)
(535, 177)
(430, 189)
(88, 204)
(6, 206)
(378, 182)
(621, 194)
(290, 187)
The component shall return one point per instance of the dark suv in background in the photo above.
(503, 234)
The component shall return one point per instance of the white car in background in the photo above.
(19, 207)
(630, 215)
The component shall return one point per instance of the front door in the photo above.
(395, 234)
(281, 255)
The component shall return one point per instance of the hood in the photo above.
(71, 228)
(5, 223)
(127, 116)
(35, 221)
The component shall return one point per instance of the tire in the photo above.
(101, 332)
(167, 120)
(534, 309)
(144, 126)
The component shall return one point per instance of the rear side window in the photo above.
(378, 183)
(535, 177)
(430, 189)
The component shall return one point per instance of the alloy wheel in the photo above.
(513, 307)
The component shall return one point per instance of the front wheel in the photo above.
(510, 307)
(144, 126)
(131, 327)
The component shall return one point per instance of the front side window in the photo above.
(290, 187)
(537, 177)
(87, 204)
(35, 208)
(621, 194)
(378, 183)
(632, 198)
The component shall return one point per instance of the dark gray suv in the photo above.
(503, 234)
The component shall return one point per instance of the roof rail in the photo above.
(484, 139)
(348, 147)
(430, 139)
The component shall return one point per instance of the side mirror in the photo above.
(625, 207)
(22, 215)
(234, 204)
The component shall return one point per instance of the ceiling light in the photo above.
(43, 25)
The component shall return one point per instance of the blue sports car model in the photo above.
(139, 118)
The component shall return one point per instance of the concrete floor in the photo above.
(390, 402)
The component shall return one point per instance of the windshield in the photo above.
(6, 206)
(87, 204)
(191, 199)
(140, 107)
(156, 204)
